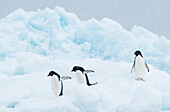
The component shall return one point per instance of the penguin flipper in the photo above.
(87, 81)
(65, 77)
(147, 67)
(133, 65)
(132, 68)
(88, 71)
(61, 93)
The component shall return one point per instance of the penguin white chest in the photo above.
(56, 85)
(80, 77)
(139, 68)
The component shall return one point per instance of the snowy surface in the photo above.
(117, 90)
(34, 43)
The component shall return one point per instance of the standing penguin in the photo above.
(139, 66)
(81, 75)
(57, 83)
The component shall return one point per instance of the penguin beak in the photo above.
(135, 53)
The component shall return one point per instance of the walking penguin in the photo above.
(81, 75)
(57, 83)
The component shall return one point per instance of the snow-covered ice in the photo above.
(34, 43)
(117, 90)
(58, 34)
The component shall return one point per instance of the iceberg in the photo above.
(60, 34)
(34, 43)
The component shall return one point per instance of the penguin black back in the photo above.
(61, 93)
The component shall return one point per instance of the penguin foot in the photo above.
(138, 79)
(142, 79)
(96, 83)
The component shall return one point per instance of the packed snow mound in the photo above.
(59, 34)
(117, 90)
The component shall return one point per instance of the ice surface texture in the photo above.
(59, 34)
(117, 90)
(34, 43)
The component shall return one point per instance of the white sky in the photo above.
(153, 15)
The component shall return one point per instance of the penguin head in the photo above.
(51, 73)
(138, 53)
(75, 68)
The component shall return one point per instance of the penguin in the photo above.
(81, 75)
(57, 82)
(139, 66)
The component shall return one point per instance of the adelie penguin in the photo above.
(139, 66)
(57, 83)
(81, 75)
